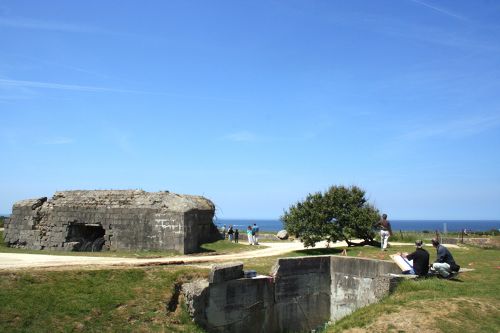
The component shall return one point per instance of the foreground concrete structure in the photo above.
(112, 220)
(301, 294)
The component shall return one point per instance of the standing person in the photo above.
(224, 232)
(420, 259)
(385, 231)
(255, 234)
(230, 233)
(444, 265)
(249, 235)
(236, 235)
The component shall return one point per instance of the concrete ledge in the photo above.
(304, 265)
(226, 272)
(363, 267)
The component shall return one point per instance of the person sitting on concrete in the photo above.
(420, 259)
(444, 265)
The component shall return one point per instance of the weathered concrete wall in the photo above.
(229, 303)
(112, 219)
(358, 282)
(300, 295)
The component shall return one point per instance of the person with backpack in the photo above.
(444, 265)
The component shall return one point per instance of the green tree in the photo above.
(340, 213)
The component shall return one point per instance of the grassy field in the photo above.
(136, 300)
(133, 300)
(471, 303)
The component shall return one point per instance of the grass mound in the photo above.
(133, 300)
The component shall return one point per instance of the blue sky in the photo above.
(255, 104)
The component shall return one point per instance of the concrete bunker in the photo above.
(112, 220)
(300, 294)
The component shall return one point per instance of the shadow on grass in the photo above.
(203, 249)
(319, 252)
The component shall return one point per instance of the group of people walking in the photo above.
(444, 266)
(233, 234)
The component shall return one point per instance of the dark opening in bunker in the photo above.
(90, 237)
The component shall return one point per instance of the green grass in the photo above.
(409, 236)
(132, 300)
(473, 297)
(225, 246)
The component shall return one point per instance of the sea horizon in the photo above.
(442, 225)
(403, 225)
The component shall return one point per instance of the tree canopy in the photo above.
(340, 213)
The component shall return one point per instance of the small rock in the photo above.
(282, 234)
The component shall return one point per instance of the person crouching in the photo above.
(444, 265)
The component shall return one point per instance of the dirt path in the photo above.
(18, 261)
(10, 261)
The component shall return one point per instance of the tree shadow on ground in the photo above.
(319, 252)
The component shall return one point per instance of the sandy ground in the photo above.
(19, 261)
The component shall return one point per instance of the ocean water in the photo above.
(404, 225)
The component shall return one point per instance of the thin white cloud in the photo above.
(241, 136)
(82, 88)
(440, 10)
(27, 23)
(60, 86)
(456, 128)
